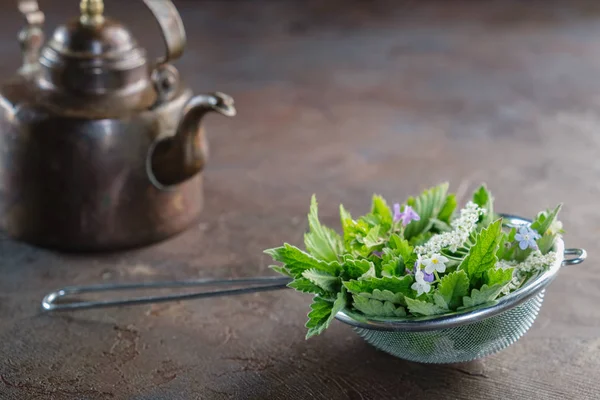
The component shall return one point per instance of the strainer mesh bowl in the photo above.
(459, 344)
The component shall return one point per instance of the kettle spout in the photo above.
(177, 158)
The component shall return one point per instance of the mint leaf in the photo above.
(453, 287)
(428, 205)
(419, 307)
(322, 242)
(323, 280)
(355, 268)
(322, 313)
(380, 208)
(498, 276)
(306, 286)
(398, 286)
(296, 261)
(448, 208)
(482, 255)
(483, 198)
(545, 219)
(481, 296)
(376, 308)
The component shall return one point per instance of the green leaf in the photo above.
(448, 208)
(322, 242)
(392, 265)
(323, 280)
(372, 238)
(498, 276)
(545, 219)
(371, 273)
(282, 270)
(428, 205)
(380, 208)
(481, 296)
(322, 313)
(297, 261)
(440, 225)
(439, 300)
(482, 255)
(354, 268)
(306, 286)
(546, 242)
(483, 198)
(398, 286)
(376, 308)
(419, 307)
(453, 287)
(354, 233)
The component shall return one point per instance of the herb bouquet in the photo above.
(420, 258)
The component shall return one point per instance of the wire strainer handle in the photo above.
(59, 299)
(580, 253)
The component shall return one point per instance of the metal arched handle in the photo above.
(173, 31)
(580, 254)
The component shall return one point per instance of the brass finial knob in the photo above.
(91, 12)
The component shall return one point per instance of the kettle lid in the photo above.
(93, 55)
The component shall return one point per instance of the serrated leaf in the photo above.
(403, 249)
(354, 268)
(372, 238)
(282, 270)
(428, 205)
(377, 308)
(371, 273)
(380, 208)
(384, 295)
(322, 313)
(498, 276)
(396, 285)
(297, 261)
(419, 307)
(483, 198)
(323, 280)
(306, 286)
(448, 208)
(439, 300)
(482, 255)
(481, 296)
(545, 219)
(322, 242)
(453, 287)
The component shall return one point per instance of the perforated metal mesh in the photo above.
(460, 344)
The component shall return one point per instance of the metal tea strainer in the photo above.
(453, 338)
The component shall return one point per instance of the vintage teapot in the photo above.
(100, 149)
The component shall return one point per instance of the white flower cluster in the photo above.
(462, 228)
(536, 262)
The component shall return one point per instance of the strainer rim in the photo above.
(455, 319)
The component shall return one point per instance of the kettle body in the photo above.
(99, 150)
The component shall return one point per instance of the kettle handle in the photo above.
(31, 35)
(173, 31)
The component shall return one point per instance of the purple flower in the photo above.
(405, 216)
(427, 277)
(526, 238)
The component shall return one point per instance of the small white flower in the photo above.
(435, 263)
(420, 285)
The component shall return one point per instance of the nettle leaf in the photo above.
(481, 296)
(282, 270)
(482, 255)
(322, 242)
(545, 219)
(306, 286)
(399, 286)
(419, 307)
(372, 238)
(322, 313)
(297, 261)
(354, 233)
(453, 287)
(498, 276)
(380, 208)
(483, 198)
(403, 249)
(354, 268)
(371, 273)
(323, 280)
(375, 308)
(448, 208)
(428, 205)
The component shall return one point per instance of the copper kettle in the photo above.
(99, 148)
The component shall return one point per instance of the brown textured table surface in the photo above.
(342, 99)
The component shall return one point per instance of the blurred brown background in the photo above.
(341, 99)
